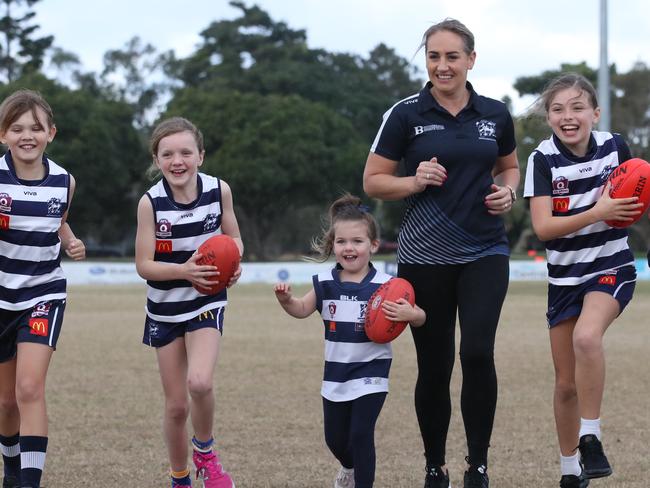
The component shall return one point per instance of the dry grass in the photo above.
(105, 401)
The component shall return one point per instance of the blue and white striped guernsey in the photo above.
(354, 365)
(30, 217)
(180, 230)
(574, 185)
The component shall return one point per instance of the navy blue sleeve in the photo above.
(624, 152)
(507, 142)
(538, 181)
(392, 138)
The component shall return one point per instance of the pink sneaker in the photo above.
(209, 469)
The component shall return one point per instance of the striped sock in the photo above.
(32, 459)
(181, 478)
(202, 446)
(10, 448)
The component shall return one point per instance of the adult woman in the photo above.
(461, 172)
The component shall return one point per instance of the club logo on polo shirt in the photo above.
(560, 186)
(487, 129)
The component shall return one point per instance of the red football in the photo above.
(630, 179)
(220, 251)
(378, 327)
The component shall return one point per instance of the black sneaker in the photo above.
(573, 481)
(10, 482)
(436, 478)
(592, 457)
(476, 477)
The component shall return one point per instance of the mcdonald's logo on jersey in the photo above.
(163, 246)
(561, 205)
(39, 326)
(4, 222)
(607, 280)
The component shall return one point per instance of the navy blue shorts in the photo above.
(40, 324)
(158, 334)
(565, 302)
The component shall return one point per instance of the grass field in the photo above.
(105, 401)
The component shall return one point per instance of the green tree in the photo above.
(97, 143)
(254, 58)
(20, 50)
(253, 53)
(631, 108)
(534, 84)
(280, 155)
(135, 74)
(631, 117)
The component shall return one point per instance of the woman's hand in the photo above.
(500, 200)
(429, 173)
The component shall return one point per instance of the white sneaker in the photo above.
(345, 478)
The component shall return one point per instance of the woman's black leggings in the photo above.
(476, 290)
(350, 434)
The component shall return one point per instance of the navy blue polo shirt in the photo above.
(449, 224)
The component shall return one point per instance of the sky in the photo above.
(513, 37)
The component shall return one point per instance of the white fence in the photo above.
(108, 273)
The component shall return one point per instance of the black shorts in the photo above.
(566, 301)
(40, 324)
(158, 334)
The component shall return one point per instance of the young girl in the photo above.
(355, 381)
(590, 267)
(35, 196)
(175, 216)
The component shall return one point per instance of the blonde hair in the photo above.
(454, 26)
(168, 127)
(346, 208)
(23, 101)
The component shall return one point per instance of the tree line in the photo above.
(286, 125)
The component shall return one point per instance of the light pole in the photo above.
(603, 72)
